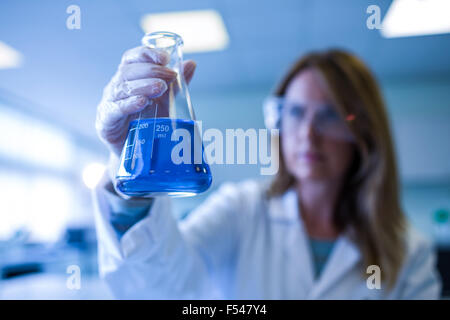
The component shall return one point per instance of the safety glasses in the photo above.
(291, 116)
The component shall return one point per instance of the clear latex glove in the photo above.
(141, 76)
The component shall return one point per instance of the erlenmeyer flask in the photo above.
(163, 153)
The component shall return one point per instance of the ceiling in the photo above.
(65, 70)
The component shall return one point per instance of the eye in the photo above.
(296, 111)
(328, 114)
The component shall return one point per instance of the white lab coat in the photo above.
(236, 245)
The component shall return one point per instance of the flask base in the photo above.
(135, 187)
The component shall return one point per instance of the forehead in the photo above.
(307, 86)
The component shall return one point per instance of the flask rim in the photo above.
(172, 38)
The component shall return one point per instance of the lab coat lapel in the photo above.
(300, 270)
(343, 257)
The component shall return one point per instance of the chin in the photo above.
(310, 174)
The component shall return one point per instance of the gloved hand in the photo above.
(141, 76)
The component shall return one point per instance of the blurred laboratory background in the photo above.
(52, 76)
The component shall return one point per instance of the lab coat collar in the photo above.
(343, 257)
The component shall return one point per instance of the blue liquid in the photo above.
(146, 167)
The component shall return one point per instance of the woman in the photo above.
(329, 226)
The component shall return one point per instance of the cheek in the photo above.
(288, 148)
(339, 155)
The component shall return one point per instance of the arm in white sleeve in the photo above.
(423, 281)
(159, 258)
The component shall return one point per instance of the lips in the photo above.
(310, 156)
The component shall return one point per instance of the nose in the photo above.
(307, 130)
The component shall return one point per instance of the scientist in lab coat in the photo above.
(328, 226)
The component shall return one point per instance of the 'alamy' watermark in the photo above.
(237, 147)
(374, 20)
(374, 280)
(73, 282)
(74, 20)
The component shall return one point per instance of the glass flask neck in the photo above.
(166, 41)
(177, 98)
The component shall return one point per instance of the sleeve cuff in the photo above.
(124, 213)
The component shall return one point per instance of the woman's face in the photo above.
(314, 144)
